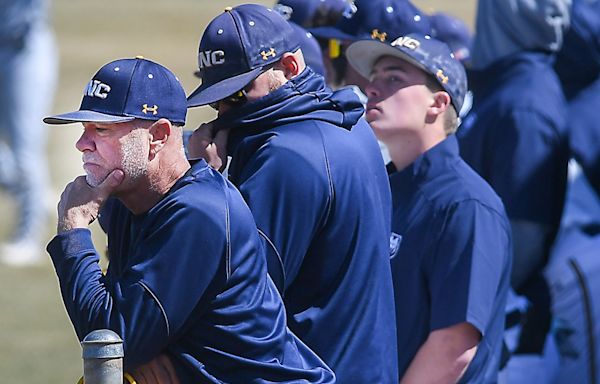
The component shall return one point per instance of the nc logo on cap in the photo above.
(210, 58)
(405, 41)
(95, 88)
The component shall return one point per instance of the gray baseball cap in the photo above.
(423, 51)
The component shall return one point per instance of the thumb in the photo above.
(112, 181)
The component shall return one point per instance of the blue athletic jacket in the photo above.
(311, 171)
(515, 136)
(187, 278)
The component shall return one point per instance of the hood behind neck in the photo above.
(505, 27)
(304, 97)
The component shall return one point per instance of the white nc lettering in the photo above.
(407, 42)
(97, 89)
(210, 58)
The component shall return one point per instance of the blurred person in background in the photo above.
(573, 272)
(515, 137)
(28, 63)
(314, 13)
(382, 20)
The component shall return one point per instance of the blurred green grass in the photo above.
(38, 341)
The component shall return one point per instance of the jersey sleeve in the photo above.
(147, 303)
(288, 199)
(467, 266)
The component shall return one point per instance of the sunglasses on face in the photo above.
(237, 98)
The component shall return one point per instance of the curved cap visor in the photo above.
(86, 116)
(331, 33)
(208, 93)
(363, 55)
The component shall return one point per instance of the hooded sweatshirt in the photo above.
(505, 27)
(311, 171)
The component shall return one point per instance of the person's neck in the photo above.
(150, 190)
(406, 147)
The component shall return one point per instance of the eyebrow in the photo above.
(388, 68)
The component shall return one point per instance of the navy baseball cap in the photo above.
(307, 13)
(454, 32)
(297, 11)
(236, 47)
(425, 52)
(128, 89)
(383, 20)
(311, 50)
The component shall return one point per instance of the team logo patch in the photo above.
(265, 54)
(146, 109)
(376, 35)
(441, 77)
(395, 240)
(407, 42)
(210, 58)
(96, 88)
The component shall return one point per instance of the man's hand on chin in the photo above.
(80, 203)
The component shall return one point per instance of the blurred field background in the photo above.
(38, 344)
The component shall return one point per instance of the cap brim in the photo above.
(363, 55)
(86, 116)
(331, 33)
(209, 93)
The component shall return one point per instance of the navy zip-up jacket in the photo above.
(311, 171)
(515, 137)
(187, 278)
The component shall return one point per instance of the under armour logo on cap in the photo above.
(146, 109)
(375, 34)
(265, 55)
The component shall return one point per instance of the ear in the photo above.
(160, 132)
(440, 103)
(290, 65)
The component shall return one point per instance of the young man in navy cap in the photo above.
(187, 277)
(452, 261)
(309, 167)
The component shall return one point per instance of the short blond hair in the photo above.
(451, 114)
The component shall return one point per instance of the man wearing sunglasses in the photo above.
(309, 167)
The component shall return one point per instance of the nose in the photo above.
(371, 90)
(85, 142)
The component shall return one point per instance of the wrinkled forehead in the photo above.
(124, 127)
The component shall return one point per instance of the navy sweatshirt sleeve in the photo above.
(134, 299)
